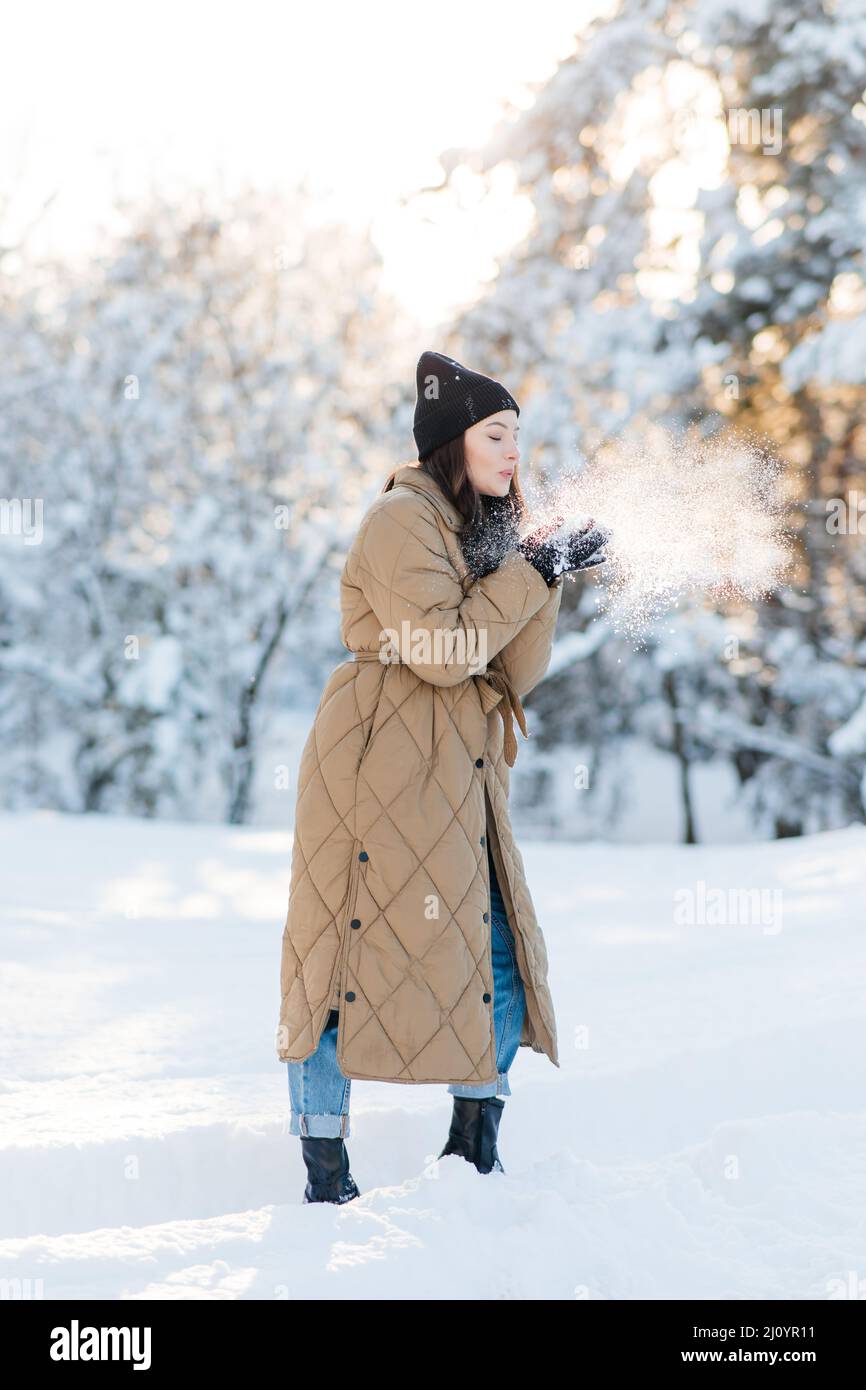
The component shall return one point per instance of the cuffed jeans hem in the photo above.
(320, 1126)
(499, 1087)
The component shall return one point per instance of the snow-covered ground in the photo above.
(704, 1137)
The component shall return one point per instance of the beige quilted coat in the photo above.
(404, 774)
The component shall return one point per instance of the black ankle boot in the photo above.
(474, 1127)
(327, 1170)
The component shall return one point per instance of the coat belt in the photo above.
(494, 688)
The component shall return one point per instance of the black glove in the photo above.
(577, 551)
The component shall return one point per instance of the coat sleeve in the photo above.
(442, 632)
(527, 656)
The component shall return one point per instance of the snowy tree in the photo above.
(201, 416)
(696, 175)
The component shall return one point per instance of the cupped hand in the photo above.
(541, 533)
(584, 545)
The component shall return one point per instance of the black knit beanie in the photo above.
(451, 399)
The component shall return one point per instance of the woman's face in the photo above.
(491, 452)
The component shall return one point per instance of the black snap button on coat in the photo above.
(486, 998)
(363, 856)
(350, 995)
(479, 762)
(355, 922)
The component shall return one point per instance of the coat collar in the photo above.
(410, 475)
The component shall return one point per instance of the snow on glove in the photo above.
(576, 551)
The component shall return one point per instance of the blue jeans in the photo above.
(319, 1093)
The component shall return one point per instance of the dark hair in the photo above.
(447, 467)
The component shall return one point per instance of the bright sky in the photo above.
(361, 97)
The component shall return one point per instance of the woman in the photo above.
(411, 951)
